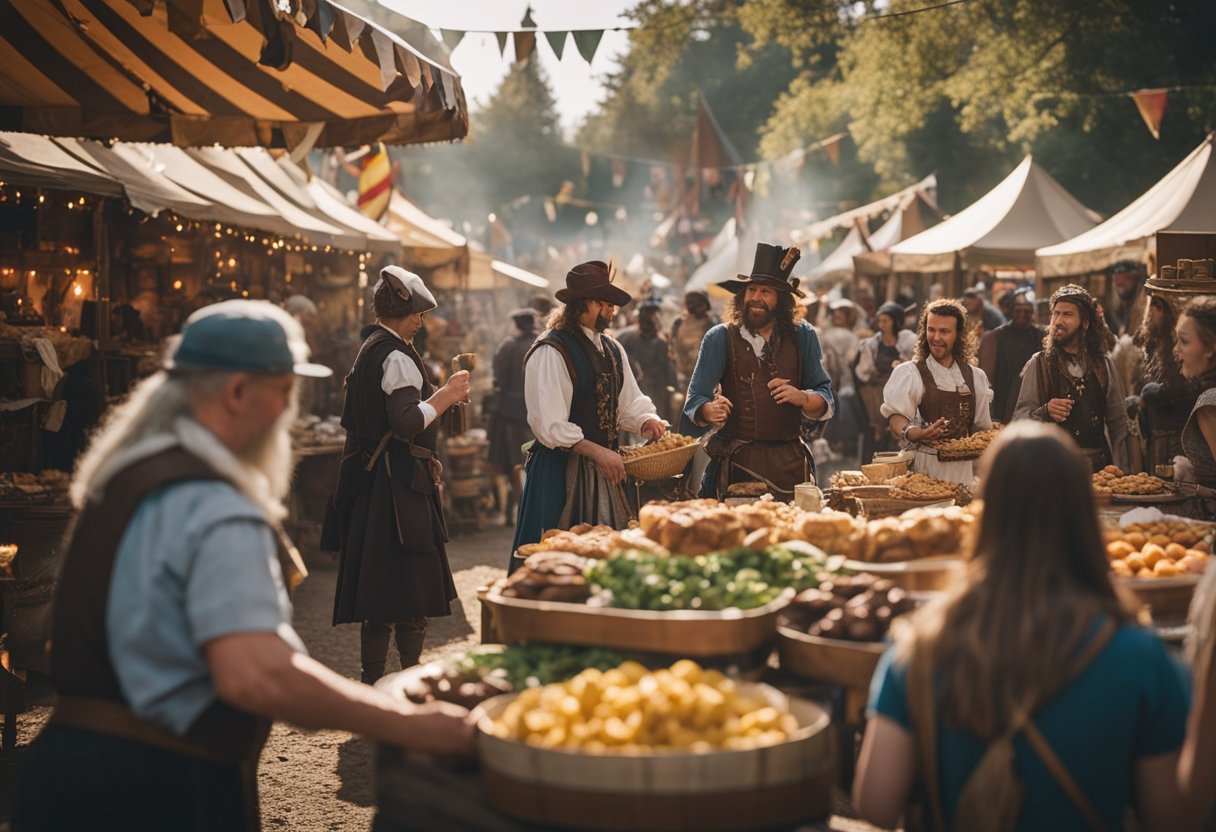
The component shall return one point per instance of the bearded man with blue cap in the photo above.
(173, 647)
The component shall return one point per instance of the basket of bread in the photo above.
(658, 460)
(963, 448)
(1160, 559)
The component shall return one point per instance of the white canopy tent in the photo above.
(1184, 200)
(425, 241)
(856, 250)
(1025, 212)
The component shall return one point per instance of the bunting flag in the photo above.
(375, 183)
(502, 43)
(831, 147)
(1151, 104)
(452, 37)
(525, 45)
(587, 41)
(557, 42)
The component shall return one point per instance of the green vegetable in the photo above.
(529, 665)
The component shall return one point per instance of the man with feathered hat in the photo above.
(758, 379)
(386, 516)
(581, 394)
(1073, 381)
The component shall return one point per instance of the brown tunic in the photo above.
(958, 406)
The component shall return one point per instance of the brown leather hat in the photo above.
(592, 281)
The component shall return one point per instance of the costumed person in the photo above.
(509, 430)
(1073, 382)
(841, 346)
(172, 642)
(1128, 278)
(939, 394)
(881, 353)
(1196, 351)
(650, 356)
(758, 379)
(386, 515)
(982, 316)
(1005, 350)
(581, 395)
(1026, 697)
(687, 333)
(1164, 397)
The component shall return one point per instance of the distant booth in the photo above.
(994, 237)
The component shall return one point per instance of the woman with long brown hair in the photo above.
(1026, 698)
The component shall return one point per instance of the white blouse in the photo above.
(549, 390)
(399, 370)
(903, 395)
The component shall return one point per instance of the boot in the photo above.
(373, 649)
(410, 635)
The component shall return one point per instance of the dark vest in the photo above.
(80, 659)
(1086, 424)
(363, 414)
(756, 415)
(1014, 347)
(509, 376)
(598, 380)
(956, 405)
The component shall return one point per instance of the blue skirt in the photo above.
(544, 497)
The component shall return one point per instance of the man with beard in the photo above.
(1005, 350)
(939, 394)
(173, 647)
(581, 395)
(386, 515)
(1073, 381)
(757, 379)
(509, 420)
(648, 351)
(688, 331)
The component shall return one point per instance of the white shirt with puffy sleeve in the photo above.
(399, 370)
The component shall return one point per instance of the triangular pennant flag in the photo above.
(557, 42)
(525, 45)
(502, 43)
(832, 148)
(452, 37)
(587, 41)
(1151, 104)
(528, 22)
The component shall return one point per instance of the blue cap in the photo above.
(244, 336)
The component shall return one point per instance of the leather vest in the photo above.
(756, 416)
(598, 380)
(1086, 424)
(364, 415)
(80, 659)
(956, 405)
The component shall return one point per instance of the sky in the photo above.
(577, 87)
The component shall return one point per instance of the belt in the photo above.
(115, 719)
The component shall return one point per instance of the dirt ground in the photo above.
(322, 781)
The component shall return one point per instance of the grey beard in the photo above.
(271, 454)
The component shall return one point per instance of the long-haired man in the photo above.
(939, 394)
(758, 378)
(1074, 383)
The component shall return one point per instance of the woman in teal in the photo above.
(1027, 698)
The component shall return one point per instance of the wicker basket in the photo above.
(1168, 599)
(661, 465)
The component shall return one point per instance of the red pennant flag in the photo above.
(832, 148)
(525, 45)
(1151, 104)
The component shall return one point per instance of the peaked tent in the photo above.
(857, 251)
(1184, 200)
(1025, 212)
(425, 241)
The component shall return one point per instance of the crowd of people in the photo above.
(1027, 697)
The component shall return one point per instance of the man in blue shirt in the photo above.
(172, 640)
(758, 379)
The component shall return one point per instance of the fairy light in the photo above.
(177, 285)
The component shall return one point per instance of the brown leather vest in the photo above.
(80, 657)
(756, 416)
(956, 405)
(1086, 422)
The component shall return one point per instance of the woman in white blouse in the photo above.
(957, 403)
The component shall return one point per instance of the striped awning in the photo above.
(237, 73)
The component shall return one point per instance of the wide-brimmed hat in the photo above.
(771, 267)
(593, 281)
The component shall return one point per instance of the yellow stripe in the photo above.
(21, 83)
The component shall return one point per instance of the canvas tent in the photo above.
(858, 247)
(1184, 200)
(425, 241)
(1026, 211)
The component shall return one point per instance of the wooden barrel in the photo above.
(839, 662)
(776, 785)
